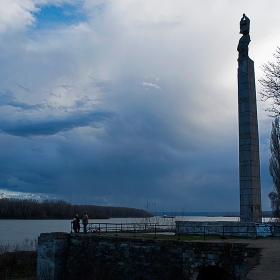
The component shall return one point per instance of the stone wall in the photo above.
(249, 160)
(90, 256)
(240, 229)
(51, 255)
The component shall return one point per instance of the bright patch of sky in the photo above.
(65, 14)
(22, 195)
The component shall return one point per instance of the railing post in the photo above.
(204, 233)
(99, 230)
(178, 232)
(116, 230)
(134, 232)
(121, 226)
(155, 231)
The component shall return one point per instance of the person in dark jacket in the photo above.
(76, 223)
(85, 222)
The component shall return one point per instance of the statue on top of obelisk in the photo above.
(245, 39)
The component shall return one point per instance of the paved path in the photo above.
(269, 263)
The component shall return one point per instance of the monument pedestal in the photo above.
(249, 162)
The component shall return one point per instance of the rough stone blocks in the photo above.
(249, 164)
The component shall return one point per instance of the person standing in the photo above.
(85, 222)
(76, 223)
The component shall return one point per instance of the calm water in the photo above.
(16, 231)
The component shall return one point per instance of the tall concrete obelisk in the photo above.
(249, 162)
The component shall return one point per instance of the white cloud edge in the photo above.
(145, 84)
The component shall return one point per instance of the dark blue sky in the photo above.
(128, 103)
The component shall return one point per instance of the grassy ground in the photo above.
(184, 237)
(167, 236)
(181, 237)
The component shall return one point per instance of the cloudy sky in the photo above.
(128, 103)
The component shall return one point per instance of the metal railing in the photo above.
(133, 228)
(223, 231)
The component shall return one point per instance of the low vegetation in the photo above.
(19, 261)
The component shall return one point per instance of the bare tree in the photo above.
(271, 85)
(274, 166)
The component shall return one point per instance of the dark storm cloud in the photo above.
(8, 99)
(152, 174)
(168, 76)
(53, 125)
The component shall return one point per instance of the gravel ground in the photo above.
(269, 263)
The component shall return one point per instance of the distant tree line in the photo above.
(11, 208)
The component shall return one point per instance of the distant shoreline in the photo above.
(265, 214)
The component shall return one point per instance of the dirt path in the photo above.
(269, 264)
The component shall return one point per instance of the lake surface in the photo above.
(17, 231)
